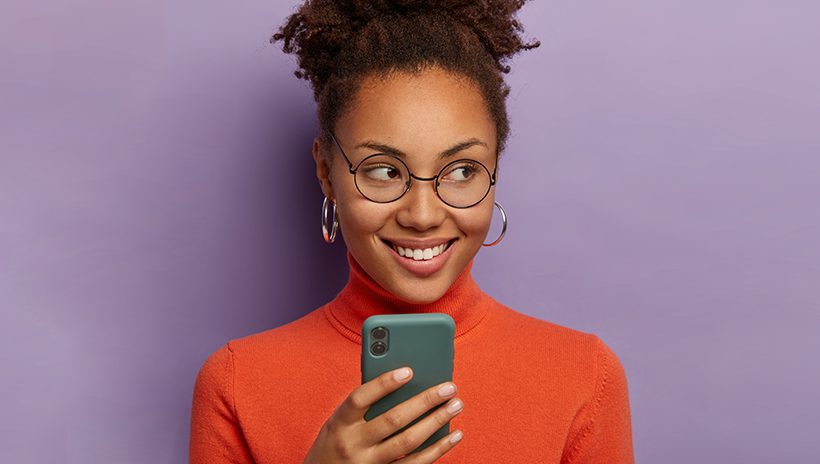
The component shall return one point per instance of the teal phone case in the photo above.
(423, 341)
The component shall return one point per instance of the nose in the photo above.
(421, 208)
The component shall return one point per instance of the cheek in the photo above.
(474, 222)
(360, 218)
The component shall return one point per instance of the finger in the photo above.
(433, 452)
(406, 412)
(353, 408)
(410, 439)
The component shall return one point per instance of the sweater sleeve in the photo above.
(216, 436)
(602, 430)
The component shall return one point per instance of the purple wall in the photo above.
(157, 198)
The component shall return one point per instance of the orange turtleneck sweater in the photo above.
(533, 391)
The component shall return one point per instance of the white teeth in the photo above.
(420, 254)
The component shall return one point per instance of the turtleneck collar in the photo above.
(363, 297)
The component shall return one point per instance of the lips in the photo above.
(422, 267)
(420, 252)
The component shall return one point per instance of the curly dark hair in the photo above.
(339, 42)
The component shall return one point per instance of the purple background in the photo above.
(157, 199)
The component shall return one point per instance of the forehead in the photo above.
(421, 112)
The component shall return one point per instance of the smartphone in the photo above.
(423, 341)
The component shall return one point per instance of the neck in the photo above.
(363, 297)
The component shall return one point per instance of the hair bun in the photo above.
(493, 21)
(368, 10)
(338, 42)
(321, 28)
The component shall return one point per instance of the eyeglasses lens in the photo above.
(384, 178)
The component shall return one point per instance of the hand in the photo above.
(347, 437)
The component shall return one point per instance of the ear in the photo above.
(322, 169)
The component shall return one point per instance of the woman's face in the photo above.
(420, 116)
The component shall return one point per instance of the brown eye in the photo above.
(461, 173)
(382, 173)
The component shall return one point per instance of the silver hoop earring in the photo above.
(330, 235)
(503, 226)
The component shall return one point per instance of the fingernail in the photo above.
(401, 374)
(456, 436)
(455, 406)
(446, 390)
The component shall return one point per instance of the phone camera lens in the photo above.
(379, 332)
(378, 348)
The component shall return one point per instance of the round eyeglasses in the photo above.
(384, 178)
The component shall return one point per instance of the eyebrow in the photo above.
(448, 152)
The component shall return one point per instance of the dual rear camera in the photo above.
(379, 346)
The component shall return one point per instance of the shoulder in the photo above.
(581, 355)
(279, 349)
(215, 372)
(283, 336)
(261, 343)
(509, 322)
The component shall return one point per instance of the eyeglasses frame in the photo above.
(409, 182)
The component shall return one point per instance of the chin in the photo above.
(407, 286)
(421, 291)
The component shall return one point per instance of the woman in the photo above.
(411, 107)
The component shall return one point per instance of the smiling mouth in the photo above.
(420, 254)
